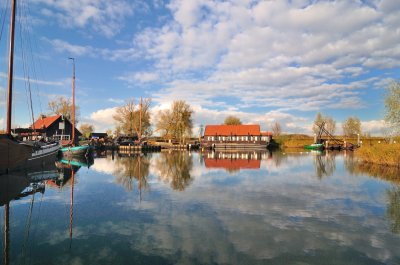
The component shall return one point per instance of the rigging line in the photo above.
(27, 227)
(25, 67)
(25, 10)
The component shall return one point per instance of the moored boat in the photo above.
(314, 147)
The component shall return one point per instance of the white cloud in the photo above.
(142, 77)
(374, 127)
(102, 119)
(102, 16)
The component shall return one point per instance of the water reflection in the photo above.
(287, 209)
(130, 168)
(174, 167)
(235, 160)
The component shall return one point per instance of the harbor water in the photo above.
(181, 207)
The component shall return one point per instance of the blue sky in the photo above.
(263, 61)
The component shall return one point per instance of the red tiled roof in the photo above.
(232, 163)
(45, 122)
(227, 130)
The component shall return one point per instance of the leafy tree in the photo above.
(330, 125)
(352, 126)
(276, 129)
(63, 106)
(176, 122)
(86, 129)
(232, 120)
(134, 117)
(392, 104)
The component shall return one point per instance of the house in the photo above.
(233, 161)
(235, 136)
(98, 136)
(56, 127)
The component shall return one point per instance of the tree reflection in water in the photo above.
(325, 164)
(174, 167)
(130, 168)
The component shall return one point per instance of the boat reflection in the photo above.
(324, 163)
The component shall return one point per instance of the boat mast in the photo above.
(11, 65)
(73, 101)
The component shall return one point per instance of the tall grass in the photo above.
(381, 154)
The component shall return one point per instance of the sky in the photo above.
(262, 61)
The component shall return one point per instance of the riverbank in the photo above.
(380, 154)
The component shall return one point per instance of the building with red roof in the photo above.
(56, 127)
(235, 136)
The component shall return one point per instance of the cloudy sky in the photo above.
(263, 61)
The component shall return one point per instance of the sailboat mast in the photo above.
(73, 101)
(11, 65)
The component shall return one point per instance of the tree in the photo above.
(352, 127)
(134, 117)
(276, 129)
(317, 123)
(176, 122)
(392, 105)
(63, 106)
(330, 123)
(86, 129)
(232, 120)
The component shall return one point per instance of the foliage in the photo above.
(232, 120)
(276, 129)
(392, 104)
(86, 129)
(63, 106)
(352, 126)
(330, 123)
(134, 118)
(176, 122)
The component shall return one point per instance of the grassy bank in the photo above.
(381, 154)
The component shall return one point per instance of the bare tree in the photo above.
(232, 120)
(351, 126)
(276, 129)
(63, 106)
(392, 105)
(134, 117)
(176, 122)
(329, 123)
(86, 129)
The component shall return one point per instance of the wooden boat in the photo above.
(17, 155)
(314, 147)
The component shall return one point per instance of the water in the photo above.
(188, 208)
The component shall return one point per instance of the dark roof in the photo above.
(212, 130)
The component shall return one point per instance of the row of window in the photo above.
(237, 138)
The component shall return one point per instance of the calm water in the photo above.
(188, 208)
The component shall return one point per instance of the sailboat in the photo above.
(72, 149)
(17, 155)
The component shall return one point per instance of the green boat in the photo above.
(314, 147)
(82, 150)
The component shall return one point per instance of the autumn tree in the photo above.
(317, 122)
(232, 120)
(134, 117)
(176, 122)
(63, 106)
(86, 129)
(392, 105)
(276, 129)
(352, 127)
